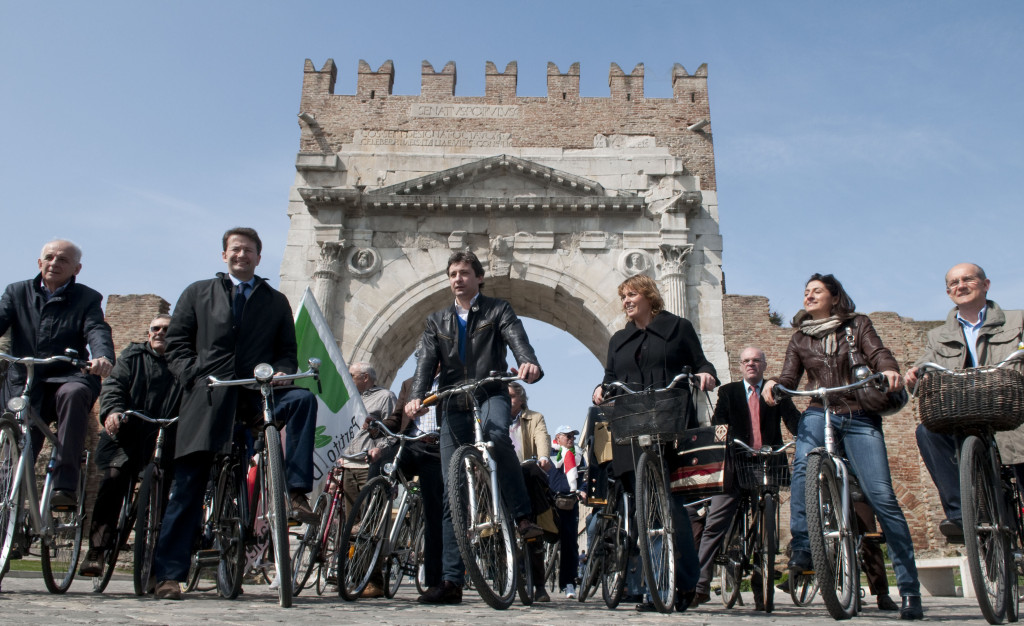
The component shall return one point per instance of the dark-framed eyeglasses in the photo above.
(158, 329)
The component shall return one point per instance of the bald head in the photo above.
(753, 364)
(967, 286)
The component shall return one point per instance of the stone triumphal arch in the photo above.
(561, 196)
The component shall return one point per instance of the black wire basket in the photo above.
(663, 413)
(751, 471)
(973, 398)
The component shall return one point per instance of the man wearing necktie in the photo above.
(755, 423)
(224, 327)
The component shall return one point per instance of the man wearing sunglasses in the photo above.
(141, 382)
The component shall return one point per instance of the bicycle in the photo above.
(831, 525)
(483, 525)
(973, 404)
(59, 530)
(319, 543)
(753, 538)
(235, 512)
(611, 539)
(369, 534)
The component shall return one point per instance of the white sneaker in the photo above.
(274, 585)
(570, 591)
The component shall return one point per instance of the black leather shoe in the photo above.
(911, 608)
(952, 528)
(646, 607)
(685, 600)
(446, 593)
(63, 500)
(885, 603)
(541, 595)
(801, 562)
(699, 599)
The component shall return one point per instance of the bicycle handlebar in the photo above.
(764, 451)
(469, 387)
(69, 356)
(686, 375)
(380, 426)
(264, 373)
(877, 378)
(163, 422)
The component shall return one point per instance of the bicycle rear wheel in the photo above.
(362, 538)
(402, 559)
(60, 553)
(307, 553)
(229, 530)
(769, 547)
(595, 558)
(552, 554)
(276, 505)
(420, 542)
(616, 544)
(328, 572)
(728, 566)
(833, 543)
(125, 521)
(486, 542)
(147, 526)
(654, 532)
(10, 490)
(524, 578)
(803, 588)
(987, 551)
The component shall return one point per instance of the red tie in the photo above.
(754, 402)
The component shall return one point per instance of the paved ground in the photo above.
(24, 600)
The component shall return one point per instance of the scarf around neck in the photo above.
(823, 329)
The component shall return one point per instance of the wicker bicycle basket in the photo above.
(661, 413)
(750, 471)
(949, 402)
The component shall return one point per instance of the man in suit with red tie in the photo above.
(752, 421)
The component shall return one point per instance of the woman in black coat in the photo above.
(648, 353)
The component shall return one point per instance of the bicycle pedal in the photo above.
(598, 501)
(872, 535)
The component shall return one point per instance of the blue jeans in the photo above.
(456, 430)
(865, 448)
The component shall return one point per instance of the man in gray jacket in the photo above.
(976, 332)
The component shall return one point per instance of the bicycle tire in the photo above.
(552, 554)
(307, 553)
(402, 558)
(524, 576)
(836, 563)
(768, 549)
(277, 506)
(420, 543)
(149, 515)
(60, 554)
(616, 546)
(328, 570)
(595, 560)
(204, 538)
(486, 544)
(10, 507)
(358, 555)
(986, 546)
(229, 530)
(803, 588)
(727, 563)
(654, 532)
(125, 522)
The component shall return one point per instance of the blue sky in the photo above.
(881, 141)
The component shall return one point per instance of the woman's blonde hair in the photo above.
(646, 287)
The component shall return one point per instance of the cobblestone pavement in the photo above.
(24, 600)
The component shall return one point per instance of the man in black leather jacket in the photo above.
(469, 339)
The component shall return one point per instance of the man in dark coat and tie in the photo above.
(753, 422)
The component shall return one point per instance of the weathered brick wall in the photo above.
(562, 119)
(746, 323)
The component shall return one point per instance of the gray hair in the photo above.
(365, 368)
(519, 391)
(75, 250)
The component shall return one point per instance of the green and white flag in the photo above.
(341, 410)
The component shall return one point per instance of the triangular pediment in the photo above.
(498, 176)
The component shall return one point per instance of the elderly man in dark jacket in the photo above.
(141, 382)
(468, 339)
(47, 315)
(224, 327)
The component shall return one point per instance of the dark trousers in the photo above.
(457, 429)
(721, 512)
(423, 460)
(870, 551)
(68, 404)
(568, 562)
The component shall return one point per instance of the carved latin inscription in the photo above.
(480, 111)
(460, 138)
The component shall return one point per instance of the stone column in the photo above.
(673, 277)
(325, 277)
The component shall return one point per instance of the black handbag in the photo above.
(699, 470)
(871, 398)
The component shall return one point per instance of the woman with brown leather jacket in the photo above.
(819, 348)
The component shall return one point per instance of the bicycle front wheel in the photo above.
(147, 526)
(60, 553)
(768, 549)
(524, 578)
(10, 490)
(833, 541)
(654, 532)
(615, 544)
(803, 588)
(420, 543)
(276, 506)
(728, 568)
(125, 521)
(333, 522)
(402, 559)
(307, 553)
(987, 553)
(229, 533)
(484, 535)
(363, 537)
